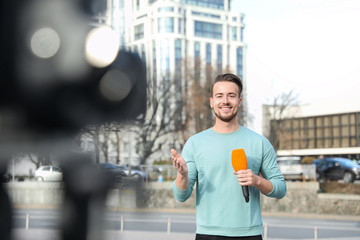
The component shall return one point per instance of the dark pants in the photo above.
(213, 237)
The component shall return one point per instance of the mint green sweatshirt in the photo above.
(220, 205)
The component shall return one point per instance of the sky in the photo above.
(309, 46)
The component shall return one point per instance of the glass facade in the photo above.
(166, 25)
(328, 131)
(208, 30)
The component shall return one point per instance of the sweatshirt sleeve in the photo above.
(183, 195)
(271, 171)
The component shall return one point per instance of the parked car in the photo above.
(336, 169)
(112, 169)
(291, 167)
(136, 173)
(48, 174)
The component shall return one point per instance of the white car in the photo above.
(48, 174)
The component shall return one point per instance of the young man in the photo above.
(221, 210)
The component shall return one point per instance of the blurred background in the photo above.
(119, 83)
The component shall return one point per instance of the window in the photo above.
(205, 14)
(166, 25)
(197, 49)
(166, 9)
(164, 56)
(242, 34)
(197, 59)
(177, 53)
(154, 67)
(234, 33)
(208, 53)
(208, 30)
(208, 62)
(179, 25)
(178, 62)
(56, 169)
(219, 58)
(239, 61)
(139, 32)
(143, 57)
(46, 169)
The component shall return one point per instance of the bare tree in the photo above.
(102, 138)
(154, 129)
(281, 103)
(116, 143)
(39, 159)
(196, 110)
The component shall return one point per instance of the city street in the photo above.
(45, 224)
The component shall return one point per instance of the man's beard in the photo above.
(225, 119)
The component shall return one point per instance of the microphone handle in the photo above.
(245, 190)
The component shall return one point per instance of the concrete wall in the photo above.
(302, 198)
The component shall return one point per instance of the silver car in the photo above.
(48, 174)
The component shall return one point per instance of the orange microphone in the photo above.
(239, 162)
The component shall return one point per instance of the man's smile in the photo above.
(225, 108)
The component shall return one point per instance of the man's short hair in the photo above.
(227, 77)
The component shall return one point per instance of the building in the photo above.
(316, 130)
(179, 38)
(165, 32)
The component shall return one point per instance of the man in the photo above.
(221, 210)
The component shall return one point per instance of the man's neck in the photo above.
(226, 127)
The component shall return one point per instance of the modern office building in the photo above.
(165, 32)
(316, 130)
(180, 41)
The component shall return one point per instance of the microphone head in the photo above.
(238, 159)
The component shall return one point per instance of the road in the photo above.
(142, 225)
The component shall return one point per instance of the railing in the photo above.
(169, 222)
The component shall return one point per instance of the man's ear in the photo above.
(211, 102)
(240, 101)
